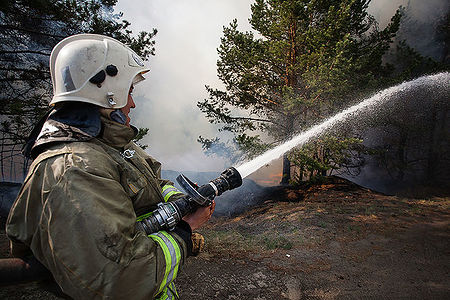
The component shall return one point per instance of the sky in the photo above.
(186, 53)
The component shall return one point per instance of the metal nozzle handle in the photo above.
(189, 187)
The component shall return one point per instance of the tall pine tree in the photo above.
(306, 59)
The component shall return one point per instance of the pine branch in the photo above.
(25, 51)
(254, 119)
(24, 70)
(9, 27)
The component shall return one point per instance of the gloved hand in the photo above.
(198, 243)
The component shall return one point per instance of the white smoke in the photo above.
(424, 11)
(186, 53)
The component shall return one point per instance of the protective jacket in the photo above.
(76, 214)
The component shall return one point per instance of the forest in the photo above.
(302, 62)
(307, 60)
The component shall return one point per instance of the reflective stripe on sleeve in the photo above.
(168, 191)
(173, 290)
(140, 218)
(172, 256)
(163, 295)
(169, 293)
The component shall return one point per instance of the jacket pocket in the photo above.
(133, 183)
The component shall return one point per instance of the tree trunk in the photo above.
(290, 82)
(431, 155)
(437, 137)
(286, 177)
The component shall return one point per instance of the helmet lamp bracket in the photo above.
(110, 97)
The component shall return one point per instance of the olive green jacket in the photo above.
(76, 214)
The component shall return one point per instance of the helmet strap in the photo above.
(118, 116)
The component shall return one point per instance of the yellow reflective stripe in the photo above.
(173, 289)
(167, 257)
(173, 250)
(170, 194)
(176, 262)
(170, 295)
(168, 191)
(167, 186)
(172, 254)
(170, 292)
(140, 218)
(164, 295)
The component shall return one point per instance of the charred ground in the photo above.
(326, 241)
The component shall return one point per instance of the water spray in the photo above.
(169, 214)
(441, 80)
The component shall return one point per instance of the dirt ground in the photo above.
(331, 241)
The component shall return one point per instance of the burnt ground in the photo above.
(329, 241)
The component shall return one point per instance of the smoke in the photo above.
(423, 11)
(419, 30)
(188, 35)
(418, 26)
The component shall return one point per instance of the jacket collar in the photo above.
(67, 123)
(115, 134)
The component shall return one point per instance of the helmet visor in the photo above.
(139, 77)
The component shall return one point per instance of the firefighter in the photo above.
(89, 183)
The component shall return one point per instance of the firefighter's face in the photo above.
(130, 104)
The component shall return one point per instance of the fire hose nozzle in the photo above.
(167, 215)
(228, 180)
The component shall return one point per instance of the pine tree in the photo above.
(304, 60)
(29, 29)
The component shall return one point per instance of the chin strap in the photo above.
(118, 116)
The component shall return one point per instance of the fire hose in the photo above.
(168, 214)
(165, 217)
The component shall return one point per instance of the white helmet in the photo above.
(95, 69)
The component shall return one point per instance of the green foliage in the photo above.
(242, 146)
(307, 60)
(328, 156)
(411, 64)
(139, 136)
(29, 29)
